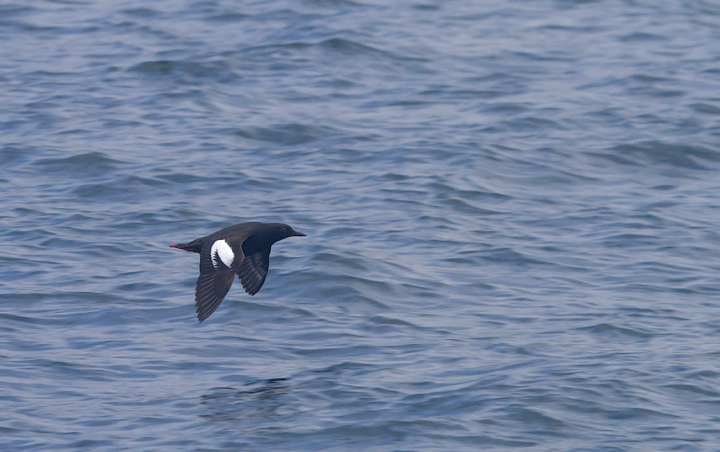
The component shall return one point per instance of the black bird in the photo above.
(243, 249)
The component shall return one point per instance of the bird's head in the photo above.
(279, 231)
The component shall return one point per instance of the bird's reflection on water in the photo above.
(258, 400)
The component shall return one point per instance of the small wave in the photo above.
(705, 108)
(258, 400)
(607, 329)
(90, 162)
(188, 70)
(685, 156)
(143, 12)
(350, 48)
(287, 134)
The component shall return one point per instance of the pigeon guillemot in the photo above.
(243, 249)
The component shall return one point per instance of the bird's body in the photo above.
(242, 249)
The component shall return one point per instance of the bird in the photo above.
(242, 250)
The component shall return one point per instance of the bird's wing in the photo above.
(253, 270)
(226, 251)
(211, 290)
(216, 278)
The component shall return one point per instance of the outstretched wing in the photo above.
(211, 290)
(253, 270)
(218, 261)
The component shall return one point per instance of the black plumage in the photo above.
(243, 250)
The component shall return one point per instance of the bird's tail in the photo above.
(194, 247)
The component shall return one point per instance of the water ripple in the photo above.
(511, 216)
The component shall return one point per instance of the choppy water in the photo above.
(512, 211)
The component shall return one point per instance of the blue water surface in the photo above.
(512, 210)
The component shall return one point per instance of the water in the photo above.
(512, 212)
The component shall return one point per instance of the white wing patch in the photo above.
(222, 250)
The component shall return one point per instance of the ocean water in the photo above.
(512, 210)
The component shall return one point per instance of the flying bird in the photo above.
(243, 249)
